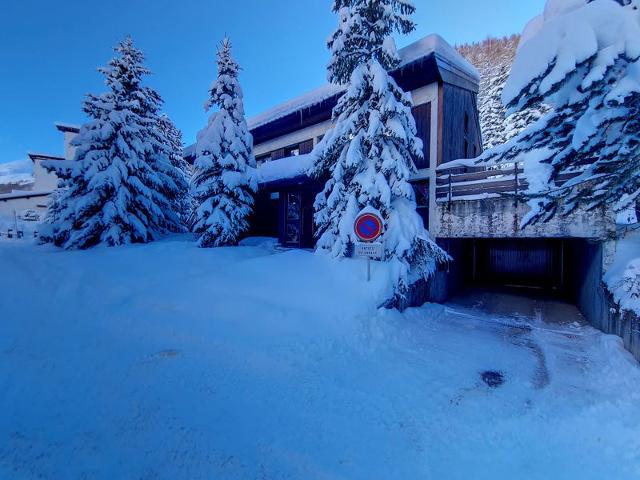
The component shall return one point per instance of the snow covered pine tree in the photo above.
(180, 170)
(121, 185)
(224, 181)
(493, 57)
(582, 58)
(369, 154)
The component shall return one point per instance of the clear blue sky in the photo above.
(49, 52)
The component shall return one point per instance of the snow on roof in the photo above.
(285, 168)
(43, 156)
(307, 100)
(417, 50)
(25, 194)
(438, 45)
(67, 127)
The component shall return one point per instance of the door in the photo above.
(293, 220)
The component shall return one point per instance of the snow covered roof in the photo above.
(284, 169)
(67, 127)
(434, 44)
(43, 156)
(25, 194)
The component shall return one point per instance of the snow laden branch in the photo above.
(224, 181)
(581, 58)
(368, 157)
(125, 183)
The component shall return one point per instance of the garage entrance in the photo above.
(530, 263)
(562, 267)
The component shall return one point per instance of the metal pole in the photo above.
(368, 269)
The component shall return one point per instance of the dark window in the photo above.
(260, 159)
(292, 150)
(422, 116)
(421, 190)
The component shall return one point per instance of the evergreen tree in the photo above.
(369, 155)
(493, 58)
(585, 152)
(224, 183)
(120, 186)
(178, 169)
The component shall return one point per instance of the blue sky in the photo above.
(50, 50)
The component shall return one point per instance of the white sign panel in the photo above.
(369, 250)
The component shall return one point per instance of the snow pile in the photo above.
(285, 168)
(571, 34)
(168, 361)
(17, 172)
(623, 277)
(422, 48)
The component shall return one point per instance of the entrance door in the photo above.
(293, 220)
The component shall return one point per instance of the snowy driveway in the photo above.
(165, 361)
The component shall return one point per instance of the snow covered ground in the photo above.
(170, 362)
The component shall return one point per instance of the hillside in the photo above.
(493, 57)
(16, 176)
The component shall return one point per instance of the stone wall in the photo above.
(501, 217)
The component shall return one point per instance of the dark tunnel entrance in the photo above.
(570, 269)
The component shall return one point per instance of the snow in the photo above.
(285, 168)
(436, 44)
(19, 171)
(169, 361)
(24, 194)
(307, 100)
(623, 276)
(67, 127)
(573, 31)
(422, 48)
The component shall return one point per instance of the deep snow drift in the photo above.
(172, 362)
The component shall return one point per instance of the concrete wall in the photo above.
(585, 261)
(44, 180)
(500, 218)
(7, 207)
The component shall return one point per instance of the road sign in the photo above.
(369, 250)
(368, 227)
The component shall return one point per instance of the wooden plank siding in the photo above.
(306, 146)
(460, 124)
(422, 116)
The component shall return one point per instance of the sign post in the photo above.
(368, 228)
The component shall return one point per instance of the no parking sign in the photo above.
(368, 228)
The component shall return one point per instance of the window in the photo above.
(421, 190)
(260, 159)
(292, 150)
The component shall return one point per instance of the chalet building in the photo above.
(36, 198)
(444, 89)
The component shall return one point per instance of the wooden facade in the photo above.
(460, 134)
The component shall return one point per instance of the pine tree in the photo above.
(224, 183)
(493, 58)
(178, 170)
(120, 186)
(585, 152)
(370, 154)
